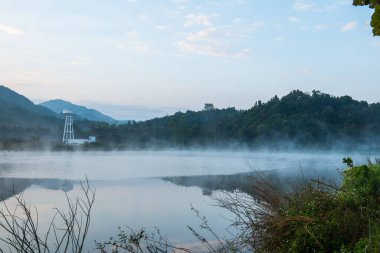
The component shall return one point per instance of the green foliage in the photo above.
(323, 218)
(375, 19)
(370, 243)
(348, 161)
(370, 3)
(361, 185)
(315, 120)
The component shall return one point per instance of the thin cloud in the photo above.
(143, 17)
(303, 5)
(199, 19)
(133, 42)
(121, 46)
(349, 26)
(294, 19)
(305, 71)
(216, 40)
(212, 42)
(310, 5)
(211, 50)
(279, 39)
(10, 30)
(133, 35)
(321, 27)
(201, 35)
(79, 62)
(237, 21)
(193, 48)
(244, 53)
(229, 3)
(162, 27)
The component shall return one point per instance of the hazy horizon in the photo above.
(141, 112)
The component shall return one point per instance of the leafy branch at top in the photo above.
(375, 19)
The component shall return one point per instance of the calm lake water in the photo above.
(130, 189)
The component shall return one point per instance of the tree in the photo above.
(375, 19)
(208, 107)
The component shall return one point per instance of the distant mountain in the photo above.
(58, 105)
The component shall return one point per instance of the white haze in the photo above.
(118, 165)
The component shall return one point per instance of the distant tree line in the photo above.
(301, 119)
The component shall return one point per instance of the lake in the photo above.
(131, 188)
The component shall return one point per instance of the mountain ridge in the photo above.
(11, 99)
(58, 105)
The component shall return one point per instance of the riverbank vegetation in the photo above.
(316, 217)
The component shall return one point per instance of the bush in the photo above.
(324, 218)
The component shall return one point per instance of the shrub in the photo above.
(325, 218)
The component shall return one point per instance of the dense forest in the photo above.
(297, 120)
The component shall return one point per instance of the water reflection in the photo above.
(150, 203)
(248, 182)
(12, 186)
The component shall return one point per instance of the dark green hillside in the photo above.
(299, 119)
(13, 105)
(203, 128)
(22, 119)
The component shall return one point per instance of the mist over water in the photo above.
(147, 164)
(130, 189)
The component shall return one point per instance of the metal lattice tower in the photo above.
(68, 131)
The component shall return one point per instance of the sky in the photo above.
(138, 59)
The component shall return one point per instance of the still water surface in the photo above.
(129, 186)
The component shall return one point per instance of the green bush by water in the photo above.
(323, 218)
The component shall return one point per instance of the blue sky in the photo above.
(163, 56)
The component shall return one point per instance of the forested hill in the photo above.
(315, 118)
(300, 119)
(20, 118)
(12, 103)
